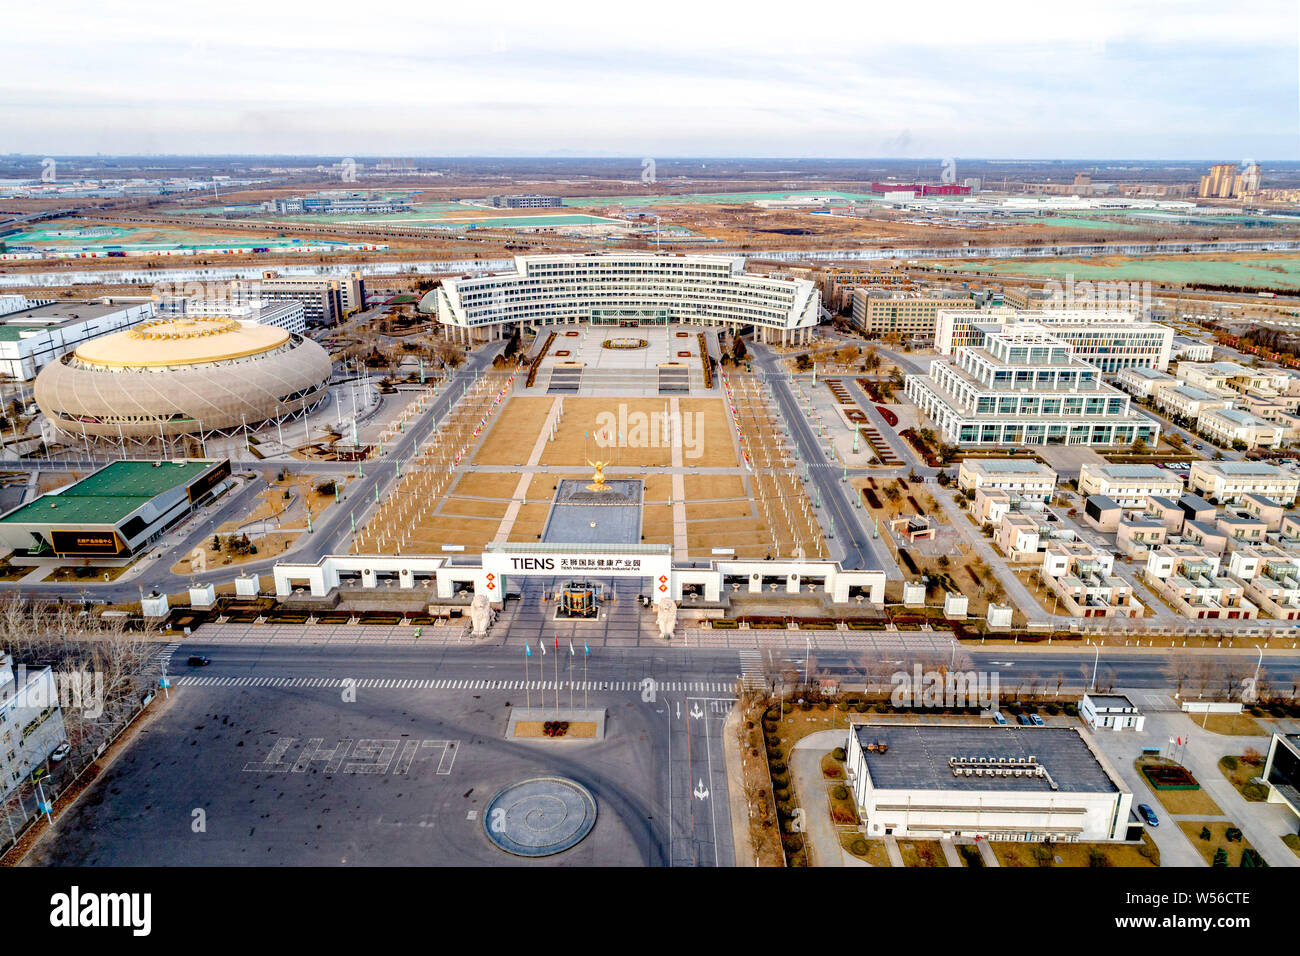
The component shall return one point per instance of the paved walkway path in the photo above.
(680, 548)
(987, 854)
(821, 836)
(950, 852)
(895, 855)
(521, 489)
(1015, 588)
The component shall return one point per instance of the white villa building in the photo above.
(1128, 485)
(1230, 481)
(1231, 425)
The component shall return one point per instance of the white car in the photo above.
(61, 751)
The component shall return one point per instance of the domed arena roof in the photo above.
(181, 341)
(182, 376)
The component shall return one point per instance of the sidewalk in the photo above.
(821, 835)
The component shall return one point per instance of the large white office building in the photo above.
(626, 288)
(1025, 386)
(1111, 339)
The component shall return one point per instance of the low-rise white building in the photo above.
(1020, 477)
(1110, 712)
(33, 338)
(1188, 401)
(1272, 578)
(1225, 482)
(1144, 382)
(1188, 578)
(1083, 580)
(1230, 426)
(1128, 485)
(1025, 784)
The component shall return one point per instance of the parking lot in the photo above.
(234, 775)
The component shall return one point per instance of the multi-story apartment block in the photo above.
(325, 301)
(526, 201)
(31, 722)
(911, 317)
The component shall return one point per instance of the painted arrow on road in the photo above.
(700, 792)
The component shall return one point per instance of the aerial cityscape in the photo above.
(845, 478)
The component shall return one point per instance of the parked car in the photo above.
(998, 718)
(61, 751)
(1025, 721)
(1148, 815)
(1036, 720)
(199, 660)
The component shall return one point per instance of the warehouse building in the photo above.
(32, 338)
(1023, 784)
(114, 512)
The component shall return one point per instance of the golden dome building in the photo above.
(182, 376)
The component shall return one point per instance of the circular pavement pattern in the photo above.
(540, 817)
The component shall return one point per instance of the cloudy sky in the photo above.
(1177, 79)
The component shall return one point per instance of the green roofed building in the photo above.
(113, 512)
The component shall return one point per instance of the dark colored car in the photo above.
(199, 660)
(1148, 815)
(1025, 721)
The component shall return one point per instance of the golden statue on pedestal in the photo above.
(598, 478)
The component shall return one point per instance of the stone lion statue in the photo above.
(480, 614)
(198, 560)
(666, 614)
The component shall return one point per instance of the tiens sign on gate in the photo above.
(591, 564)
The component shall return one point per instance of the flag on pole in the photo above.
(571, 650)
(543, 647)
(528, 651)
(585, 649)
(557, 642)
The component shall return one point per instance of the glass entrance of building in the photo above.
(629, 318)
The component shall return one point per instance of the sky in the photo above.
(1129, 79)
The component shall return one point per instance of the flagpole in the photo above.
(586, 653)
(557, 675)
(570, 674)
(528, 693)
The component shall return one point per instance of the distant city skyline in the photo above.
(1135, 80)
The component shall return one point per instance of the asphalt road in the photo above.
(299, 772)
(850, 541)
